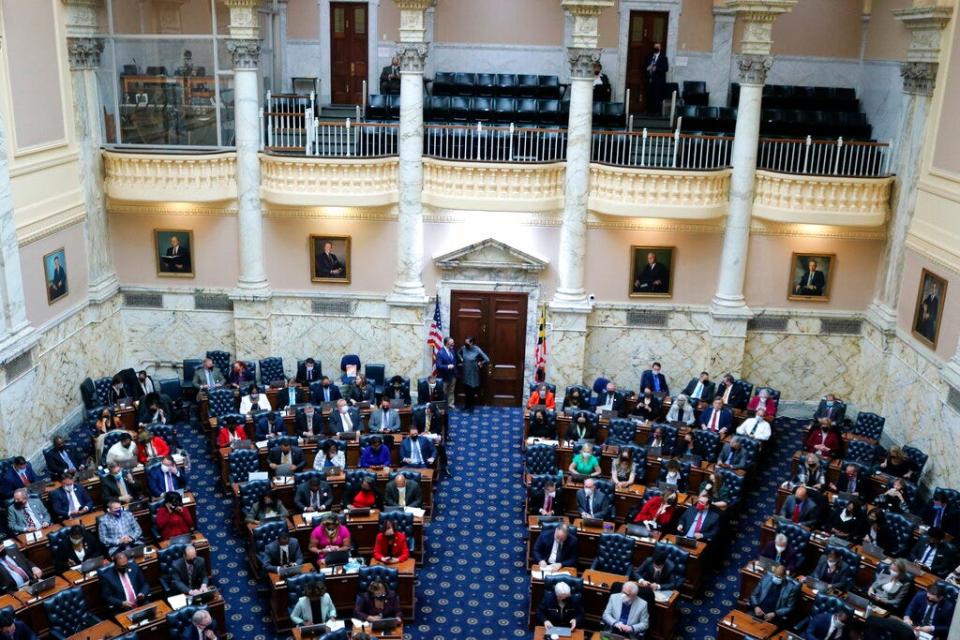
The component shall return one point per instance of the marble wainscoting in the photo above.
(881, 97)
(303, 59)
(872, 365)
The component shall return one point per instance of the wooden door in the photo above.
(498, 324)
(646, 29)
(348, 51)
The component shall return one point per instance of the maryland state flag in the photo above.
(540, 354)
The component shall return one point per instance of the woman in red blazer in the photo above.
(230, 433)
(823, 440)
(391, 546)
(658, 510)
(150, 446)
(767, 401)
(542, 395)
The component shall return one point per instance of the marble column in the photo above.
(919, 72)
(718, 80)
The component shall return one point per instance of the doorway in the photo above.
(498, 323)
(349, 48)
(646, 28)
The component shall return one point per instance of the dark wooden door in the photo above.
(498, 324)
(348, 51)
(646, 29)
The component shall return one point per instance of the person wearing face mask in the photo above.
(359, 391)
(254, 401)
(397, 389)
(267, 507)
(308, 372)
(592, 503)
(701, 522)
(375, 454)
(780, 552)
(828, 626)
(556, 549)
(286, 454)
(70, 499)
(546, 502)
(345, 418)
(151, 411)
(831, 409)
(933, 552)
(367, 496)
(542, 396)
(541, 426)
(658, 512)
(331, 458)
(681, 411)
(60, 459)
(208, 376)
(717, 418)
(732, 455)
(314, 607)
(559, 609)
(118, 529)
(602, 90)
(231, 432)
(289, 395)
(585, 463)
(313, 496)
(756, 427)
(812, 473)
(647, 407)
(417, 451)
(891, 585)
(610, 400)
(717, 489)
(763, 400)
(823, 440)
(582, 427)
(626, 613)
(240, 375)
(575, 400)
(18, 475)
(384, 419)
(943, 513)
(623, 473)
(16, 570)
(325, 392)
(172, 518)
(80, 545)
(13, 629)
(189, 573)
(123, 586)
(673, 474)
(329, 536)
(700, 390)
(930, 613)
(282, 552)
(119, 485)
(472, 361)
(27, 514)
(847, 521)
(850, 481)
(150, 446)
(775, 596)
(799, 508)
(833, 570)
(123, 452)
(390, 546)
(378, 603)
(145, 386)
(309, 421)
(657, 67)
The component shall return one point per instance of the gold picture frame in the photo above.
(340, 251)
(800, 287)
(174, 261)
(926, 322)
(648, 281)
(56, 283)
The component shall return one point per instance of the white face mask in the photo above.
(831, 563)
(343, 409)
(781, 549)
(588, 493)
(894, 575)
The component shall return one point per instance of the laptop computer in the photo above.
(91, 564)
(361, 512)
(694, 460)
(204, 597)
(397, 403)
(538, 407)
(654, 452)
(846, 495)
(365, 404)
(37, 487)
(764, 563)
(915, 569)
(592, 522)
(684, 541)
(385, 625)
(561, 632)
(243, 445)
(37, 588)
(336, 558)
(136, 551)
(349, 435)
(390, 508)
(143, 616)
(284, 470)
(817, 585)
(665, 486)
(86, 474)
(313, 630)
(857, 602)
(542, 520)
(577, 477)
(182, 539)
(638, 531)
(257, 475)
(834, 541)
(290, 570)
(871, 549)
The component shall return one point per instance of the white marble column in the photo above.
(919, 73)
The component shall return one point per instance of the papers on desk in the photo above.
(662, 596)
(280, 480)
(335, 625)
(261, 444)
(416, 511)
(258, 475)
(356, 623)
(553, 443)
(178, 601)
(9, 543)
(34, 536)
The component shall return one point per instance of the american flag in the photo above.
(540, 353)
(435, 335)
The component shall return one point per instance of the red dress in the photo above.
(815, 437)
(400, 550)
(770, 406)
(172, 523)
(364, 500)
(223, 439)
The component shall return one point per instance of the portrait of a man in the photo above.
(810, 277)
(652, 270)
(55, 275)
(929, 310)
(173, 248)
(330, 259)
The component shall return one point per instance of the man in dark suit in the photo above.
(13, 629)
(732, 393)
(282, 551)
(123, 586)
(19, 475)
(828, 625)
(16, 570)
(288, 396)
(717, 418)
(345, 418)
(430, 390)
(410, 490)
(118, 485)
(546, 502)
(610, 400)
(700, 389)
(932, 552)
(942, 514)
(396, 389)
(559, 609)
(833, 570)
(930, 612)
(80, 545)
(775, 596)
(59, 459)
(780, 551)
(558, 549)
(417, 451)
(165, 477)
(653, 277)
(176, 259)
(390, 78)
(799, 508)
(700, 522)
(286, 454)
(654, 380)
(189, 573)
(849, 481)
(929, 309)
(732, 455)
(602, 91)
(447, 370)
(202, 627)
(313, 496)
(58, 282)
(831, 409)
(307, 372)
(309, 421)
(657, 573)
(328, 264)
(70, 499)
(812, 281)
(592, 503)
(657, 68)
(326, 392)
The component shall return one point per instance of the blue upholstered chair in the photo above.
(552, 388)
(221, 360)
(669, 435)
(112, 438)
(297, 586)
(751, 450)
(869, 425)
(351, 483)
(798, 538)
(180, 619)
(387, 575)
(676, 555)
(706, 444)
(242, 463)
(918, 457)
(862, 452)
(614, 554)
(166, 558)
(540, 458)
(639, 457)
(190, 366)
(165, 431)
(684, 474)
(376, 375)
(621, 431)
(899, 531)
(221, 402)
(68, 612)
(266, 533)
(402, 522)
(102, 386)
(271, 371)
(349, 359)
(734, 483)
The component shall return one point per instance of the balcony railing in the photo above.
(838, 157)
(645, 150)
(503, 144)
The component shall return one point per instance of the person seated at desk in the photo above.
(929, 612)
(763, 401)
(811, 473)
(240, 376)
(172, 518)
(542, 396)
(829, 408)
(151, 411)
(282, 552)
(732, 392)
(430, 390)
(70, 500)
(828, 626)
(367, 496)
(26, 514)
(547, 501)
(331, 457)
(123, 452)
(19, 475)
(673, 476)
(558, 609)
(325, 393)
(314, 607)
(799, 509)
(231, 432)
(391, 546)
(657, 513)
(118, 392)
(575, 400)
(540, 427)
(847, 523)
(286, 454)
(309, 422)
(658, 441)
(150, 446)
(308, 372)
(13, 629)
(556, 550)
(166, 477)
(118, 484)
(626, 613)
(585, 463)
(265, 508)
(623, 472)
(123, 586)
(288, 396)
(82, 545)
(732, 455)
(756, 427)
(657, 573)
(891, 586)
(581, 429)
(592, 503)
(849, 481)
(254, 401)
(145, 386)
(654, 380)
(345, 418)
(700, 522)
(700, 389)
(943, 514)
(359, 391)
(108, 422)
(718, 490)
(717, 418)
(329, 536)
(834, 571)
(933, 553)
(118, 529)
(313, 496)
(898, 464)
(774, 597)
(647, 407)
(402, 492)
(375, 454)
(378, 603)
(16, 570)
(780, 551)
(894, 498)
(208, 376)
(416, 451)
(189, 573)
(610, 400)
(384, 419)
(59, 460)
(873, 534)
(681, 411)
(395, 389)
(202, 627)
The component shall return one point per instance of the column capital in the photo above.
(586, 21)
(84, 53)
(753, 68)
(582, 61)
(245, 52)
(919, 78)
(413, 57)
(413, 19)
(926, 26)
(244, 21)
(758, 17)
(81, 16)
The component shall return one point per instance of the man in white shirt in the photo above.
(757, 427)
(254, 401)
(123, 452)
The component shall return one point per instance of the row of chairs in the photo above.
(773, 122)
(509, 85)
(784, 96)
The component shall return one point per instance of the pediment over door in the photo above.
(490, 260)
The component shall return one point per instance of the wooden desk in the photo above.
(103, 629)
(597, 587)
(737, 624)
(155, 629)
(33, 612)
(540, 633)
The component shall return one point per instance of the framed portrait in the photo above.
(810, 276)
(651, 272)
(174, 250)
(55, 275)
(929, 310)
(330, 259)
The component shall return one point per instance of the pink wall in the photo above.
(947, 151)
(910, 284)
(72, 241)
(303, 19)
(853, 279)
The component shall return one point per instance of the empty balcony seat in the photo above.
(549, 87)
(438, 108)
(443, 83)
(527, 111)
(482, 108)
(460, 110)
(504, 109)
(377, 107)
(549, 111)
(695, 92)
(393, 106)
(464, 84)
(528, 86)
(506, 85)
(614, 115)
(486, 85)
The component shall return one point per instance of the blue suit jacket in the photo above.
(11, 480)
(725, 421)
(941, 618)
(60, 505)
(318, 395)
(646, 382)
(567, 554)
(190, 632)
(444, 360)
(819, 626)
(427, 449)
(156, 484)
(112, 590)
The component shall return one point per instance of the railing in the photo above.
(645, 150)
(330, 138)
(825, 157)
(484, 143)
(283, 121)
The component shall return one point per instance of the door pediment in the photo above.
(490, 255)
